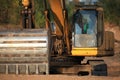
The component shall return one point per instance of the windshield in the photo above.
(85, 28)
(85, 22)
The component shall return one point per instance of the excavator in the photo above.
(64, 46)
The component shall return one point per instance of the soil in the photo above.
(54, 77)
(113, 62)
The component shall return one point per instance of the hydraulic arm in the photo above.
(59, 13)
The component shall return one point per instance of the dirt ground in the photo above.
(54, 77)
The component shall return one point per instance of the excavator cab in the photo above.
(85, 28)
(88, 36)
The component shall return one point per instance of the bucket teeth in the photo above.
(24, 68)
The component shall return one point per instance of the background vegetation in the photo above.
(10, 12)
(112, 11)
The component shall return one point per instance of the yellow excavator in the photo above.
(62, 47)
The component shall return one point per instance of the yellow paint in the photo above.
(25, 3)
(84, 51)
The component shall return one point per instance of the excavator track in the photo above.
(24, 52)
(73, 66)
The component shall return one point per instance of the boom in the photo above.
(61, 22)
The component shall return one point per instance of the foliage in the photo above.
(39, 16)
(10, 11)
(70, 9)
(112, 11)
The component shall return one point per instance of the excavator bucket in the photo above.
(24, 52)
